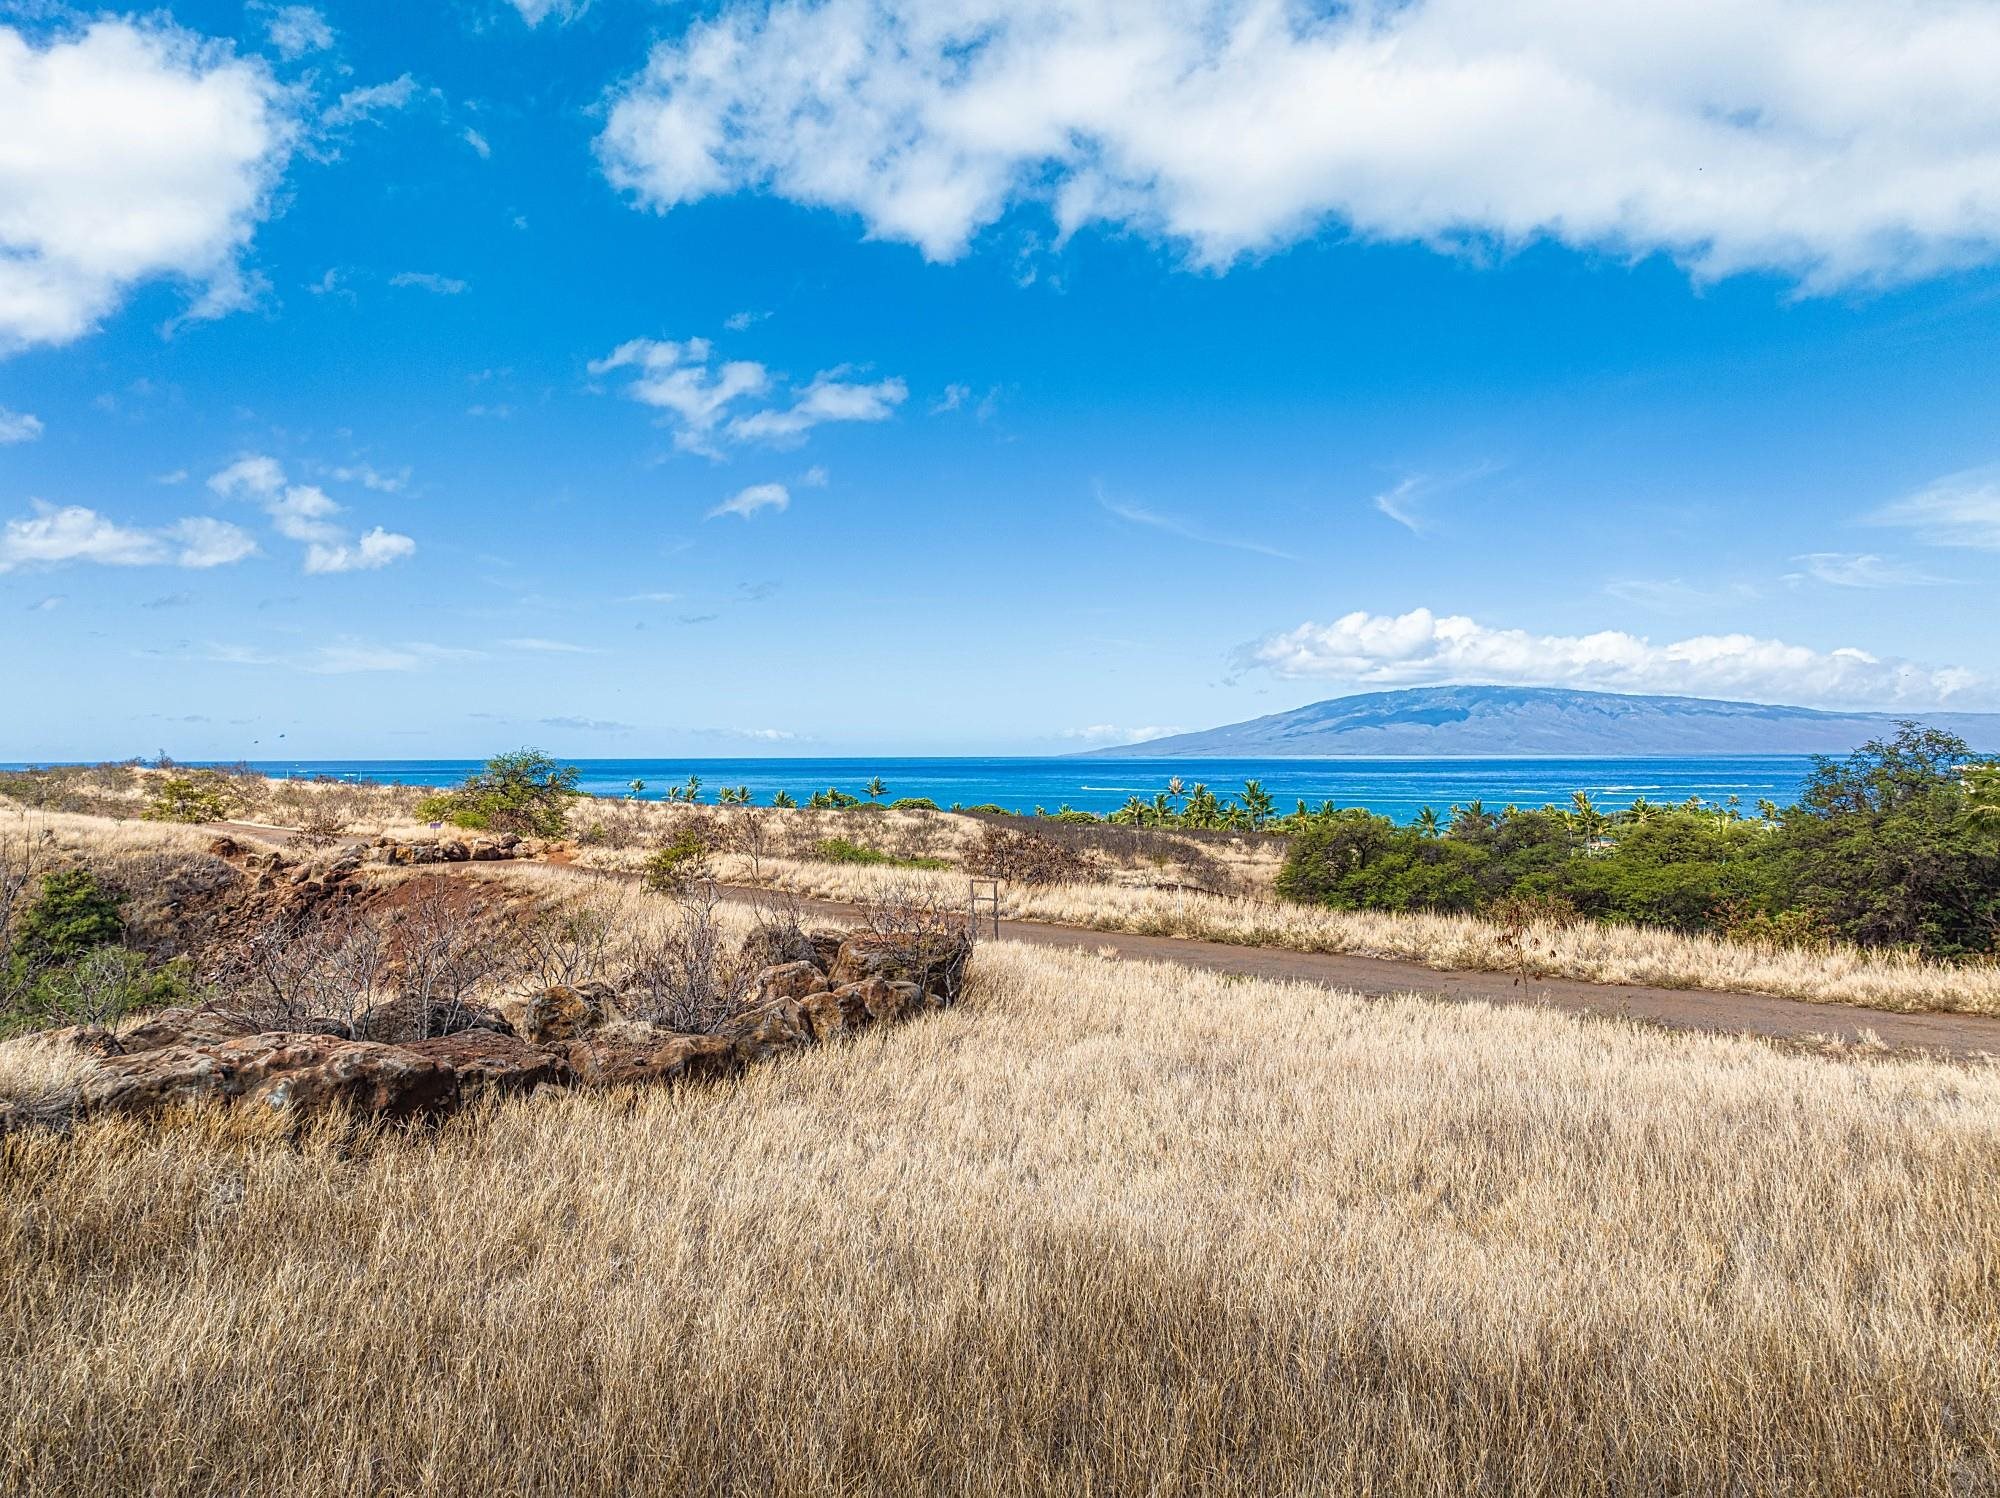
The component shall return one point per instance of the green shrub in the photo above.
(525, 792)
(914, 803)
(845, 850)
(201, 797)
(101, 987)
(677, 865)
(68, 916)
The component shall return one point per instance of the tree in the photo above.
(783, 799)
(1257, 803)
(636, 787)
(875, 789)
(1886, 845)
(525, 792)
(190, 798)
(1589, 820)
(1427, 823)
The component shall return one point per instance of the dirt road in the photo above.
(1959, 1035)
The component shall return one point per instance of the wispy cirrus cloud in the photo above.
(343, 657)
(1960, 509)
(436, 285)
(1136, 514)
(748, 502)
(1848, 569)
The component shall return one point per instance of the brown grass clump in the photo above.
(1101, 1229)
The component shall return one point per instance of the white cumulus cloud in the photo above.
(296, 30)
(707, 400)
(828, 398)
(306, 513)
(1836, 141)
(52, 535)
(18, 426)
(678, 379)
(1422, 648)
(129, 152)
(562, 12)
(359, 105)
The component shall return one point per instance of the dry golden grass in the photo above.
(1103, 1229)
(1595, 953)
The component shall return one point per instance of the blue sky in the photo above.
(635, 378)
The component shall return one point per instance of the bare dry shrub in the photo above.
(442, 948)
(566, 945)
(689, 973)
(1025, 858)
(917, 834)
(322, 826)
(751, 831)
(294, 970)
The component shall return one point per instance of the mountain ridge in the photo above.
(1481, 721)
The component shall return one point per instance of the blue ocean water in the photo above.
(1393, 787)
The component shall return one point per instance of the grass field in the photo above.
(1104, 1228)
(1596, 953)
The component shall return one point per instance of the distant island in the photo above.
(1443, 721)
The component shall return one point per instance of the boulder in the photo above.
(835, 1012)
(489, 1062)
(203, 1025)
(768, 1030)
(934, 961)
(224, 847)
(556, 1016)
(303, 1074)
(789, 980)
(777, 946)
(602, 1063)
(402, 1020)
(826, 947)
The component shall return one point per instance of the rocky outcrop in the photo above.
(400, 1021)
(934, 961)
(401, 853)
(790, 980)
(556, 1016)
(412, 1059)
(665, 1058)
(284, 1072)
(202, 1025)
(488, 1062)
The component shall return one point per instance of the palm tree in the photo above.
(1471, 818)
(1427, 822)
(875, 789)
(1982, 791)
(1176, 788)
(691, 791)
(636, 787)
(1257, 803)
(783, 799)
